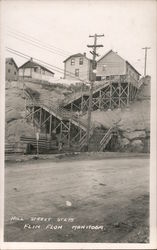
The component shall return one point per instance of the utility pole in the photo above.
(145, 62)
(92, 79)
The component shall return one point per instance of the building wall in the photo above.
(36, 73)
(26, 72)
(84, 69)
(11, 72)
(130, 71)
(111, 64)
(44, 77)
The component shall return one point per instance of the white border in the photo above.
(26, 245)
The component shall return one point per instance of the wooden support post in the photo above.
(82, 103)
(110, 95)
(61, 130)
(136, 93)
(33, 114)
(44, 121)
(133, 92)
(128, 93)
(131, 95)
(25, 107)
(50, 126)
(69, 130)
(55, 123)
(40, 121)
(100, 99)
(80, 133)
(119, 94)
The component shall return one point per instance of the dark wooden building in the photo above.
(11, 70)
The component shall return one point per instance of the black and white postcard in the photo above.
(78, 124)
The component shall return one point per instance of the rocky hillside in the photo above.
(133, 123)
(15, 124)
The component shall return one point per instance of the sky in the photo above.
(128, 26)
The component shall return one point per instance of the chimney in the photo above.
(84, 53)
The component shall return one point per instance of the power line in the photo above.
(37, 45)
(16, 32)
(29, 58)
(55, 68)
(48, 65)
(18, 54)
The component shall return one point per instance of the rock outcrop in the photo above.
(133, 123)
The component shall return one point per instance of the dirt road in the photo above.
(77, 201)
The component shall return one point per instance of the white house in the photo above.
(77, 66)
(111, 64)
(33, 70)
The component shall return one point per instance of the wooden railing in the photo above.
(9, 148)
(104, 141)
(58, 110)
(43, 142)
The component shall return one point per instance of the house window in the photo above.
(81, 61)
(98, 78)
(103, 67)
(107, 77)
(8, 70)
(10, 63)
(76, 72)
(72, 61)
(35, 69)
(15, 73)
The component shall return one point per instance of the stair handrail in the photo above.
(106, 136)
(58, 109)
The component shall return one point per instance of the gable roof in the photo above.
(11, 59)
(120, 57)
(133, 68)
(105, 55)
(32, 64)
(76, 55)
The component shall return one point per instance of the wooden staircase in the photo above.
(105, 140)
(59, 112)
(100, 139)
(95, 139)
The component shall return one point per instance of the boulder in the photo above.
(134, 134)
(137, 146)
(124, 142)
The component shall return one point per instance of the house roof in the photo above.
(133, 68)
(120, 57)
(105, 55)
(32, 64)
(11, 59)
(76, 55)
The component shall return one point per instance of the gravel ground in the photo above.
(47, 201)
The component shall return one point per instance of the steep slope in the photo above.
(15, 124)
(133, 123)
